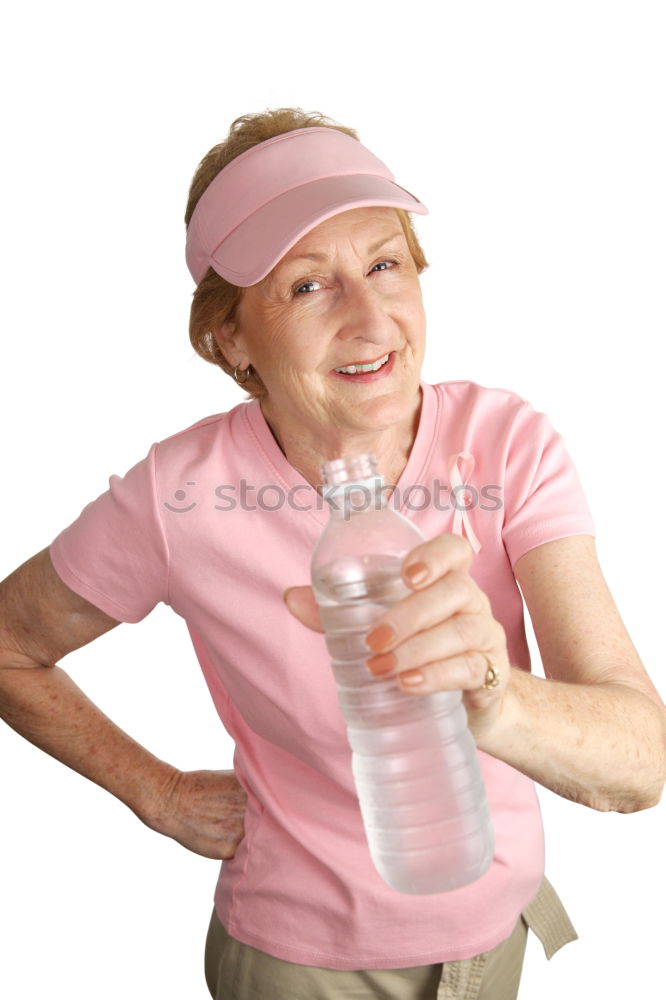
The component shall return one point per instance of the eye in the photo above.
(305, 284)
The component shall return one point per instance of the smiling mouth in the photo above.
(363, 367)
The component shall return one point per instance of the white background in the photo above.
(534, 133)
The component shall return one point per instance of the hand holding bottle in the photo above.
(441, 631)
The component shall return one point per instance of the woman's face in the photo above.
(347, 293)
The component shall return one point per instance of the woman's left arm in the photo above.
(593, 731)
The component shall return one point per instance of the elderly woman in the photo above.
(307, 271)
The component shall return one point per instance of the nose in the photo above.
(364, 314)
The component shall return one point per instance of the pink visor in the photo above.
(266, 199)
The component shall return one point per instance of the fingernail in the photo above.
(381, 664)
(379, 638)
(412, 678)
(417, 573)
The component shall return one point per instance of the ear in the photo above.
(230, 342)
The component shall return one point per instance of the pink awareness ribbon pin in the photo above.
(461, 517)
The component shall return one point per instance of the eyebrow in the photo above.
(372, 249)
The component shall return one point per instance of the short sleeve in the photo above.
(115, 553)
(543, 495)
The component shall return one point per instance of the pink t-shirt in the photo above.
(216, 523)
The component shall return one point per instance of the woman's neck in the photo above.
(305, 451)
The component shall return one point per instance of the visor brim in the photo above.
(253, 249)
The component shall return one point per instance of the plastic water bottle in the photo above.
(414, 760)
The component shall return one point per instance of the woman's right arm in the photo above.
(41, 620)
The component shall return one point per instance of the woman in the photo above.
(307, 271)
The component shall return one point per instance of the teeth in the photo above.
(353, 369)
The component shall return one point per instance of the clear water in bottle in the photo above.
(414, 760)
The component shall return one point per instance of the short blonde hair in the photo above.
(215, 300)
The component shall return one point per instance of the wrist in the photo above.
(154, 787)
(495, 738)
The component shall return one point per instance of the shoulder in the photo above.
(463, 399)
(466, 390)
(201, 428)
(198, 438)
(493, 423)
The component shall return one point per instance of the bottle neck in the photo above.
(355, 497)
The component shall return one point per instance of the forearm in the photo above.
(46, 707)
(601, 745)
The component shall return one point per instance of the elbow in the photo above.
(652, 775)
(644, 798)
(651, 796)
(638, 805)
(650, 804)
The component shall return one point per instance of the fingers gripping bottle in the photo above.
(414, 760)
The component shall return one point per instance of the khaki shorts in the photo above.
(237, 971)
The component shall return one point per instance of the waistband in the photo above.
(547, 917)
